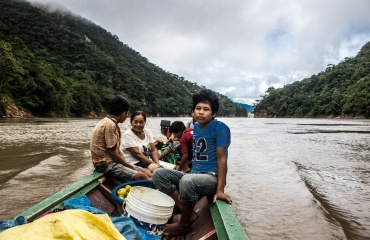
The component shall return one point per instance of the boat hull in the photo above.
(216, 220)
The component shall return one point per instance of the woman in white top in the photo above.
(138, 144)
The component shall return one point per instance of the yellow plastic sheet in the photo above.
(68, 224)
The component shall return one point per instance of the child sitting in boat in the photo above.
(185, 136)
(209, 165)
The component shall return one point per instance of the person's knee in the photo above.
(187, 184)
(141, 176)
(188, 191)
(146, 171)
(152, 167)
(157, 174)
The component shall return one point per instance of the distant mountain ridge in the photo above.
(58, 64)
(246, 106)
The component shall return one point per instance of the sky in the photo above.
(238, 48)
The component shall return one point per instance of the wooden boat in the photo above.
(216, 221)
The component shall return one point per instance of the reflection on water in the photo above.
(289, 178)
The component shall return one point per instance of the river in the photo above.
(288, 178)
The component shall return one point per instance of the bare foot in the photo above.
(194, 216)
(176, 229)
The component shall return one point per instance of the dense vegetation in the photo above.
(342, 90)
(57, 64)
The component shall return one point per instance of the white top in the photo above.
(129, 139)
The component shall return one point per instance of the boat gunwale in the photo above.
(80, 187)
(226, 224)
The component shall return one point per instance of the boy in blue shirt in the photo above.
(208, 174)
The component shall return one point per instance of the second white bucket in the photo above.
(149, 209)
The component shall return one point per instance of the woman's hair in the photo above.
(137, 113)
(119, 105)
(206, 96)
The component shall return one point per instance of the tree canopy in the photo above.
(59, 64)
(342, 90)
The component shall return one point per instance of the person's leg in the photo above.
(141, 168)
(152, 167)
(144, 174)
(183, 225)
(176, 196)
(124, 173)
(166, 180)
(191, 186)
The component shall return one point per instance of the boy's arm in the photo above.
(114, 154)
(184, 167)
(163, 154)
(184, 140)
(221, 175)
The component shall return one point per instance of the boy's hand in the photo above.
(222, 196)
(185, 169)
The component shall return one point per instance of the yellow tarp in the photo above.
(68, 224)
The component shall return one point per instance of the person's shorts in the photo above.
(117, 170)
(143, 164)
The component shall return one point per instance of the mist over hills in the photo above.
(54, 63)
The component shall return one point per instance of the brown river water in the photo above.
(288, 178)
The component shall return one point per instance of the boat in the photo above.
(216, 220)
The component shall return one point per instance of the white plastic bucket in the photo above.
(149, 208)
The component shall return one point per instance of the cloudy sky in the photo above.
(236, 47)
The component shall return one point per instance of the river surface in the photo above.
(288, 178)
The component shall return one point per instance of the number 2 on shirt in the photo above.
(200, 148)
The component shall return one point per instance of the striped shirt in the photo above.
(106, 135)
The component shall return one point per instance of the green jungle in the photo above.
(342, 90)
(56, 64)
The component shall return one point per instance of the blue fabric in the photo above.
(206, 140)
(126, 227)
(124, 224)
(81, 202)
(5, 224)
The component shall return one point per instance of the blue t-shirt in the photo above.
(206, 140)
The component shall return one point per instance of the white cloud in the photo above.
(240, 47)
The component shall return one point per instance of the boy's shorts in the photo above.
(118, 171)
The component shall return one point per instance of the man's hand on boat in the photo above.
(222, 196)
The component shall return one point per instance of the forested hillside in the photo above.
(342, 90)
(58, 64)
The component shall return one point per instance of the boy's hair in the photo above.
(137, 113)
(119, 105)
(206, 96)
(177, 126)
